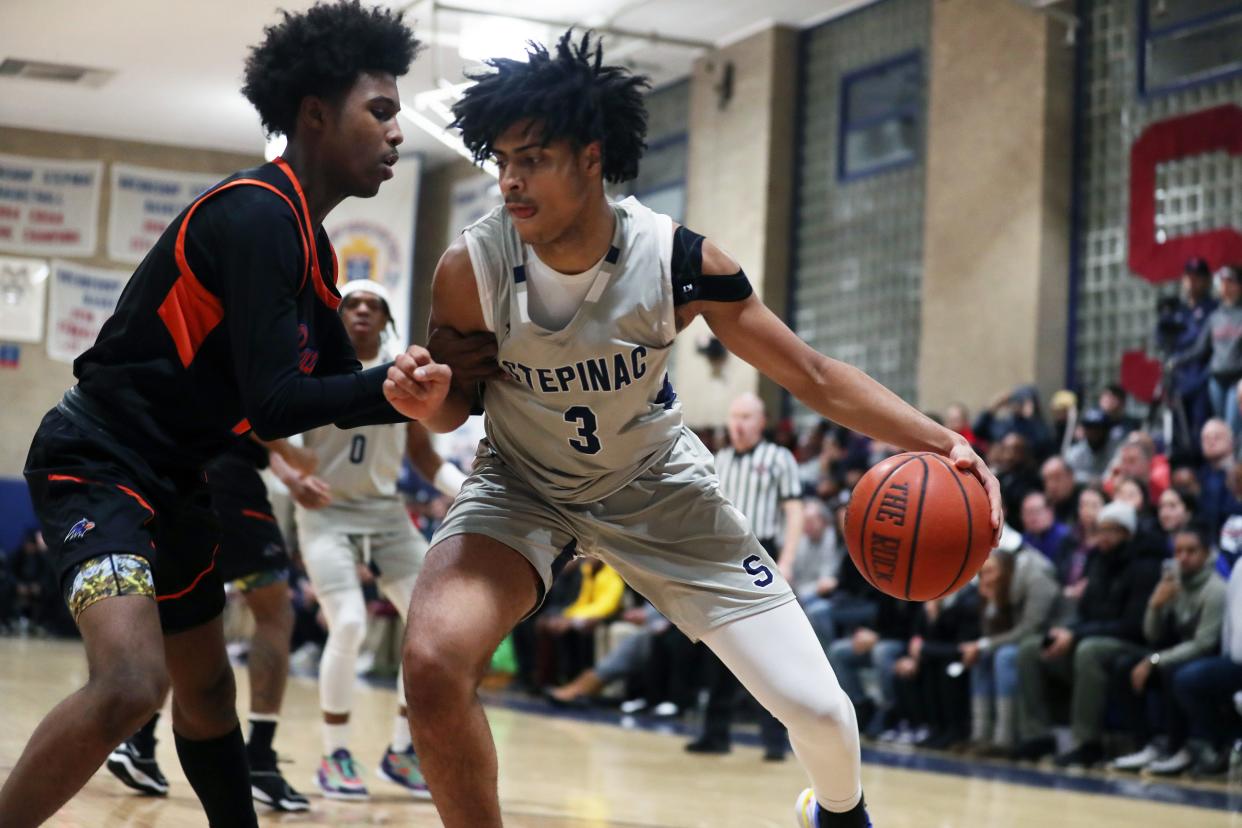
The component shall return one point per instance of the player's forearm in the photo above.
(849, 397)
(450, 415)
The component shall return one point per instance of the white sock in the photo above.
(400, 734)
(335, 737)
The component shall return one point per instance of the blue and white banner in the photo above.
(374, 239)
(23, 298)
(143, 202)
(82, 300)
(48, 207)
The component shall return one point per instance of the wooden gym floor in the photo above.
(559, 772)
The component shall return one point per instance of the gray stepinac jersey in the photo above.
(362, 466)
(588, 408)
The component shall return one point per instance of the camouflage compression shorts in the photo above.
(107, 576)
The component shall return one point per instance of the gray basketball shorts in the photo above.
(332, 556)
(669, 533)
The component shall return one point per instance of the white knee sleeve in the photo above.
(347, 627)
(777, 657)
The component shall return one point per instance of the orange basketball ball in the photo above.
(917, 527)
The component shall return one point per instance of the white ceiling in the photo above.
(178, 63)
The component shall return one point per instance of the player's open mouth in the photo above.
(386, 166)
(521, 211)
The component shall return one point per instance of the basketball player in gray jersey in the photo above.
(350, 515)
(586, 450)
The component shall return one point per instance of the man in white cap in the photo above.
(352, 525)
(1108, 623)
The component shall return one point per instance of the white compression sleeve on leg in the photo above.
(777, 657)
(347, 627)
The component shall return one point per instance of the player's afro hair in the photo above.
(321, 52)
(570, 94)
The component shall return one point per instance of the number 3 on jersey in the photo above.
(584, 418)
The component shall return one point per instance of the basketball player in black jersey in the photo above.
(228, 326)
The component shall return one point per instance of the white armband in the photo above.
(449, 479)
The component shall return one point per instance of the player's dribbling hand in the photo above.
(417, 385)
(965, 458)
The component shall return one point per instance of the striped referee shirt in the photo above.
(757, 482)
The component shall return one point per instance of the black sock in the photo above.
(855, 817)
(220, 776)
(259, 745)
(144, 739)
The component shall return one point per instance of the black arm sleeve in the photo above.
(689, 285)
(258, 271)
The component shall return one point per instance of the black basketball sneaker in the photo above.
(140, 772)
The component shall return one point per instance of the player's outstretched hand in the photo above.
(965, 458)
(416, 384)
(471, 356)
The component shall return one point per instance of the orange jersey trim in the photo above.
(326, 294)
(251, 513)
(174, 596)
(190, 312)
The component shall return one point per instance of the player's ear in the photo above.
(313, 113)
(592, 159)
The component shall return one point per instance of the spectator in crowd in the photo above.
(1216, 499)
(1175, 511)
(1159, 469)
(1108, 622)
(1147, 539)
(1016, 470)
(1136, 458)
(957, 419)
(536, 659)
(565, 640)
(1060, 489)
(36, 595)
(1204, 689)
(1072, 566)
(1019, 598)
(878, 646)
(931, 679)
(1064, 409)
(1090, 456)
(1016, 412)
(653, 661)
(8, 593)
(1221, 341)
(845, 601)
(1182, 624)
(815, 568)
(1179, 331)
(1040, 526)
(1112, 402)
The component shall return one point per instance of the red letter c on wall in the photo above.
(1219, 128)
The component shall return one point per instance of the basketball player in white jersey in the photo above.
(350, 515)
(586, 450)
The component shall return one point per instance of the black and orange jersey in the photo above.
(228, 325)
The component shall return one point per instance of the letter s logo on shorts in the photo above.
(1211, 130)
(754, 566)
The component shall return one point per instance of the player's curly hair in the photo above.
(571, 95)
(321, 52)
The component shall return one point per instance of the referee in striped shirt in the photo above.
(761, 479)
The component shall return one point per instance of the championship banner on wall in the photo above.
(374, 239)
(82, 299)
(473, 198)
(23, 292)
(47, 207)
(144, 201)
